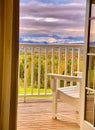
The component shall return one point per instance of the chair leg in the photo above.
(78, 112)
(54, 106)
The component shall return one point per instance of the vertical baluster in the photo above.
(66, 64)
(72, 64)
(89, 68)
(90, 58)
(78, 66)
(93, 89)
(19, 74)
(94, 73)
(39, 69)
(46, 70)
(32, 70)
(59, 61)
(52, 66)
(25, 67)
(94, 109)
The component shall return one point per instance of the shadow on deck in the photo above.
(37, 115)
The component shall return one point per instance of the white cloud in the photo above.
(39, 19)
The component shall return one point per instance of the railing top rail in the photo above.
(70, 45)
(92, 46)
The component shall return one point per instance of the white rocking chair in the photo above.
(70, 95)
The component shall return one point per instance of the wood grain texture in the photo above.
(37, 115)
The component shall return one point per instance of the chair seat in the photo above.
(71, 91)
(69, 94)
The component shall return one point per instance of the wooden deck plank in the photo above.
(36, 115)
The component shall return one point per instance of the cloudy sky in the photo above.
(52, 20)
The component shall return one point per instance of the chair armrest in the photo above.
(65, 77)
(55, 77)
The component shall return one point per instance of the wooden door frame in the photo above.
(9, 48)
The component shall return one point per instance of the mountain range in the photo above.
(48, 39)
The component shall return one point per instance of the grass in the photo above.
(35, 90)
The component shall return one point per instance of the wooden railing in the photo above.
(36, 61)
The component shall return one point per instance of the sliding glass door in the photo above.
(89, 102)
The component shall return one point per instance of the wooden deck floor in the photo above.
(36, 115)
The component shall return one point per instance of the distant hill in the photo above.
(73, 39)
(44, 39)
(33, 42)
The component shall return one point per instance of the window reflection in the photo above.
(93, 8)
(92, 33)
(92, 49)
(91, 73)
(89, 112)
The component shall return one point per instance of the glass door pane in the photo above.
(92, 33)
(89, 120)
(89, 106)
(91, 73)
(90, 90)
(93, 8)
